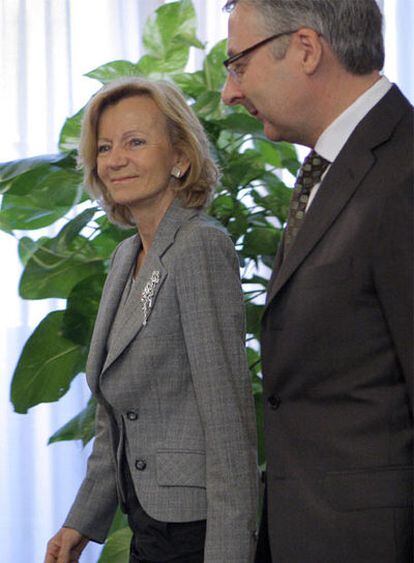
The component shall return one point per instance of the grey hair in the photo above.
(353, 28)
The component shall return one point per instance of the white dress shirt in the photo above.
(332, 140)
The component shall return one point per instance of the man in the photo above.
(337, 329)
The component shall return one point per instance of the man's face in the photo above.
(267, 87)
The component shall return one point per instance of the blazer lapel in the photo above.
(111, 296)
(340, 183)
(132, 317)
(152, 269)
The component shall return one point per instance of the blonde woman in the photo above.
(175, 442)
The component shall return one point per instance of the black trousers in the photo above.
(161, 542)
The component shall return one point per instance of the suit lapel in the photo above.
(276, 266)
(340, 183)
(338, 187)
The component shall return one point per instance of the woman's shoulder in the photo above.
(125, 246)
(203, 238)
(203, 227)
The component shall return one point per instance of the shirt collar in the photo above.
(335, 136)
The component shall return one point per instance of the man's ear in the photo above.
(310, 45)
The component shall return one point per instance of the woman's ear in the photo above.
(181, 165)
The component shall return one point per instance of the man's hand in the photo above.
(65, 547)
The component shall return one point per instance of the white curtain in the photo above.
(45, 48)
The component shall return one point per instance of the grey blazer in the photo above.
(174, 390)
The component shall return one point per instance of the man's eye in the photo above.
(237, 69)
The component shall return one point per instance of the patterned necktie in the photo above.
(309, 175)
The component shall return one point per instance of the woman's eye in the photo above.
(135, 142)
(103, 148)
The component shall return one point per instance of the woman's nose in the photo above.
(117, 157)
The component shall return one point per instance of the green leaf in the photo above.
(261, 241)
(157, 68)
(214, 71)
(120, 521)
(253, 318)
(256, 280)
(289, 157)
(82, 308)
(80, 427)
(27, 247)
(191, 83)
(72, 229)
(258, 400)
(269, 152)
(254, 361)
(46, 366)
(174, 24)
(207, 104)
(241, 123)
(113, 70)
(109, 237)
(39, 197)
(274, 197)
(53, 270)
(61, 262)
(10, 170)
(239, 169)
(70, 133)
(117, 547)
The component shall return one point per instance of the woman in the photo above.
(175, 431)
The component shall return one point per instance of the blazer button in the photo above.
(132, 415)
(274, 402)
(140, 464)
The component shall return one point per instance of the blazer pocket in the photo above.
(383, 487)
(181, 468)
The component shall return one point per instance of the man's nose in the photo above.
(231, 93)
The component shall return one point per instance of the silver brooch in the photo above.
(148, 294)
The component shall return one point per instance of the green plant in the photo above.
(71, 265)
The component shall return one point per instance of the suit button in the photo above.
(274, 402)
(140, 464)
(132, 415)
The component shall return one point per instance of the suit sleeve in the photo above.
(96, 502)
(394, 278)
(212, 313)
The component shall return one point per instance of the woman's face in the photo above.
(134, 153)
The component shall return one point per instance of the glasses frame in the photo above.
(228, 62)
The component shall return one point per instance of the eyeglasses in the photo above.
(235, 72)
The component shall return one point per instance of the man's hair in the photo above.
(353, 28)
(186, 134)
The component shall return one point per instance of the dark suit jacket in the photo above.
(337, 358)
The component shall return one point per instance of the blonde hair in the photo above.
(186, 133)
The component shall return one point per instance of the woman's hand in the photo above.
(65, 547)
